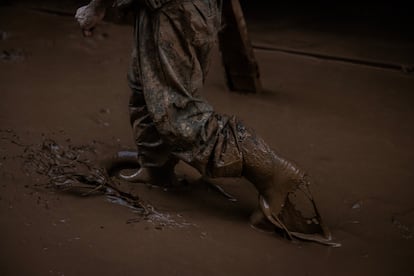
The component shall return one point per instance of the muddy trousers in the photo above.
(152, 152)
(216, 154)
(171, 121)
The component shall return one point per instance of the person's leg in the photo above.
(156, 164)
(174, 47)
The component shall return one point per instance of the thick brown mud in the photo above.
(350, 127)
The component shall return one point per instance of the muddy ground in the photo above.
(349, 126)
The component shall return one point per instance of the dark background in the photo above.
(380, 18)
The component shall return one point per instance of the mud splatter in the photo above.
(73, 168)
(403, 226)
(13, 55)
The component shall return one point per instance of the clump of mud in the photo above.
(75, 169)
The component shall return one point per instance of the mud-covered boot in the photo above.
(285, 201)
(125, 165)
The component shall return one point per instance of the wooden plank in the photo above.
(241, 68)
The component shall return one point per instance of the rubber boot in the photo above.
(285, 201)
(163, 176)
(126, 165)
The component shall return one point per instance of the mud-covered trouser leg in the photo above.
(175, 45)
(152, 151)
